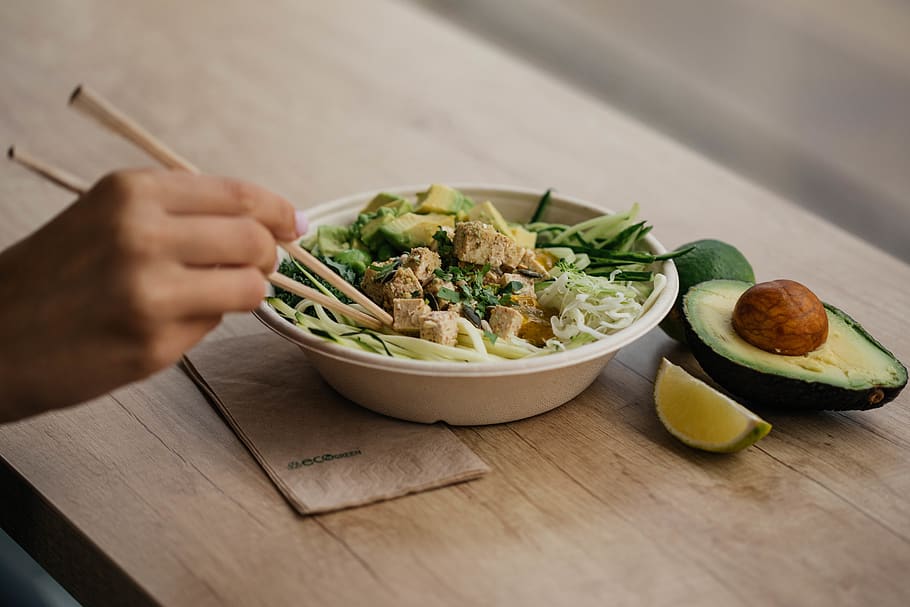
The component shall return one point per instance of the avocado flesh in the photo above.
(413, 230)
(443, 200)
(332, 239)
(381, 200)
(488, 213)
(849, 371)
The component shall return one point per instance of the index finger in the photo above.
(188, 194)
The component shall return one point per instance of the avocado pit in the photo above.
(782, 317)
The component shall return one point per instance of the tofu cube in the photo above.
(529, 261)
(509, 253)
(440, 327)
(479, 243)
(371, 284)
(505, 322)
(422, 262)
(403, 286)
(408, 314)
(474, 241)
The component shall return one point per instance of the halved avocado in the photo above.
(851, 370)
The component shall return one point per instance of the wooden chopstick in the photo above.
(58, 176)
(74, 184)
(289, 284)
(107, 115)
(98, 108)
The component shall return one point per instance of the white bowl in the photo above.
(461, 393)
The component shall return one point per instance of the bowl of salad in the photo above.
(507, 302)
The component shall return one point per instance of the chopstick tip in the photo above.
(76, 92)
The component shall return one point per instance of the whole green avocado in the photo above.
(709, 259)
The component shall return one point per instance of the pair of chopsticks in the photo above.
(102, 111)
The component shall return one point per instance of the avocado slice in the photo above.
(371, 222)
(369, 233)
(413, 230)
(384, 199)
(522, 237)
(332, 239)
(443, 200)
(488, 213)
(851, 370)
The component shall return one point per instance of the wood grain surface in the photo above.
(146, 497)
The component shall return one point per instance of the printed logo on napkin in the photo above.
(322, 459)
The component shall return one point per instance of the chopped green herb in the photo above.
(448, 295)
(444, 246)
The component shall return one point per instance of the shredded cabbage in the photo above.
(595, 306)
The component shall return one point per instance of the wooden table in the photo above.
(146, 497)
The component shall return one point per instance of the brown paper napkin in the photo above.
(322, 451)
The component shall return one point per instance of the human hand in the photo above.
(126, 279)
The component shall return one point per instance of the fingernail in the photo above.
(302, 222)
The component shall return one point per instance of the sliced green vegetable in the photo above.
(541, 208)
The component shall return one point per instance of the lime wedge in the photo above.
(702, 417)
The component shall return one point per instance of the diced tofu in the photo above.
(505, 322)
(422, 262)
(474, 241)
(372, 285)
(440, 327)
(511, 253)
(480, 243)
(408, 314)
(403, 286)
(529, 261)
(527, 287)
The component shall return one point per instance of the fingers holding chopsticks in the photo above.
(193, 194)
(200, 241)
(198, 220)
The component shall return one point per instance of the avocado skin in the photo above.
(784, 393)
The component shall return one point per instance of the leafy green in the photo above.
(356, 262)
(444, 247)
(292, 269)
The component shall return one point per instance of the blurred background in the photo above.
(809, 98)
